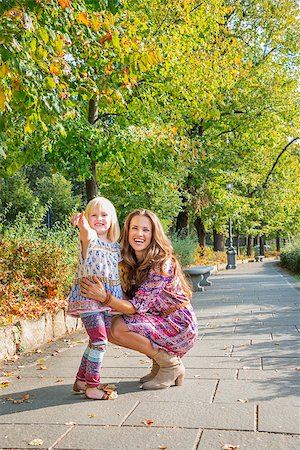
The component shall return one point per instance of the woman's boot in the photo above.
(153, 372)
(171, 371)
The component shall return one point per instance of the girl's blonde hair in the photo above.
(160, 250)
(102, 203)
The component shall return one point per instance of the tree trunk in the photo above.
(278, 243)
(182, 222)
(255, 240)
(200, 232)
(249, 246)
(91, 184)
(218, 242)
(261, 245)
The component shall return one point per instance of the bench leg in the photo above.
(196, 282)
(204, 281)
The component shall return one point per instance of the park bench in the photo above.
(199, 276)
(259, 258)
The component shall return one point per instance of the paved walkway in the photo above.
(241, 384)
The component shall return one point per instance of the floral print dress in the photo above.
(174, 330)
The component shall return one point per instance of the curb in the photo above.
(27, 335)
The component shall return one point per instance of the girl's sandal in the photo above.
(108, 394)
(78, 389)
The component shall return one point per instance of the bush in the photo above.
(290, 258)
(36, 269)
(184, 248)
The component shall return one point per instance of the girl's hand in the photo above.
(93, 289)
(77, 218)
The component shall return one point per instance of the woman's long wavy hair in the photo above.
(133, 273)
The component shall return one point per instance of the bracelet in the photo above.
(108, 298)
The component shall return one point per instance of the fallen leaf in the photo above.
(162, 447)
(92, 416)
(41, 367)
(59, 380)
(40, 360)
(36, 442)
(148, 422)
(4, 384)
(230, 447)
(243, 400)
(8, 374)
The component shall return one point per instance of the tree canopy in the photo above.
(161, 102)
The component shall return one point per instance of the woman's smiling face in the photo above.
(140, 234)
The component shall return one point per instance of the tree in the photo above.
(54, 55)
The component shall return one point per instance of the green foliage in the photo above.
(185, 248)
(16, 197)
(19, 195)
(57, 192)
(290, 258)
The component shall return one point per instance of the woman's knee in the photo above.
(118, 327)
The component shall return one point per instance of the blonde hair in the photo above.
(160, 250)
(102, 203)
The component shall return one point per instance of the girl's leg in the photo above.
(95, 327)
(129, 339)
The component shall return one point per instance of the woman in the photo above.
(158, 319)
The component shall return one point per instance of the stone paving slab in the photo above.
(194, 415)
(221, 362)
(273, 375)
(215, 440)
(19, 435)
(285, 348)
(280, 392)
(64, 408)
(129, 438)
(283, 419)
(280, 363)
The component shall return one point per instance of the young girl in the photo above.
(158, 319)
(100, 254)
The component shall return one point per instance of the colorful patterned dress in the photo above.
(175, 331)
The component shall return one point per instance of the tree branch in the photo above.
(264, 185)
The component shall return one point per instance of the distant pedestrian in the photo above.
(99, 256)
(158, 319)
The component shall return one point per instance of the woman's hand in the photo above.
(93, 289)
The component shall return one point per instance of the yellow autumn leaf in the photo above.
(2, 101)
(65, 3)
(82, 18)
(29, 127)
(4, 70)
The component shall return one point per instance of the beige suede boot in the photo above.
(171, 371)
(153, 372)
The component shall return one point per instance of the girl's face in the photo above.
(100, 221)
(140, 235)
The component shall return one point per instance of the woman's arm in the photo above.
(96, 291)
